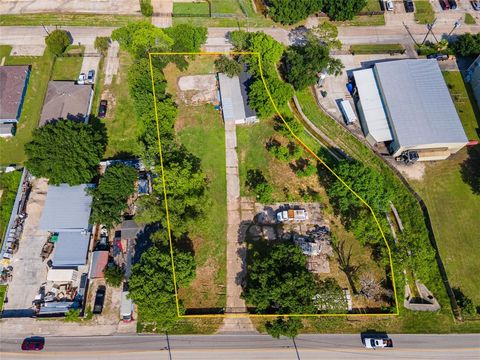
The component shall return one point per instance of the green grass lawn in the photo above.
(424, 13)
(11, 150)
(227, 7)
(59, 19)
(67, 68)
(5, 51)
(363, 20)
(203, 134)
(191, 9)
(453, 207)
(372, 5)
(9, 185)
(469, 19)
(3, 292)
(376, 48)
(120, 120)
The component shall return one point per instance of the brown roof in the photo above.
(12, 84)
(65, 100)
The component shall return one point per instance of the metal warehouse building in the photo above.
(407, 105)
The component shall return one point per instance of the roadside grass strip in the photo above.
(300, 142)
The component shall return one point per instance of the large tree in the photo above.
(151, 284)
(139, 38)
(278, 280)
(57, 41)
(291, 11)
(111, 195)
(186, 37)
(467, 45)
(341, 10)
(228, 66)
(302, 63)
(66, 151)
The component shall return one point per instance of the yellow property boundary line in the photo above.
(304, 146)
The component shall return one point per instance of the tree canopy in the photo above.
(467, 45)
(102, 43)
(151, 284)
(57, 41)
(292, 11)
(230, 67)
(111, 195)
(186, 37)
(341, 10)
(302, 63)
(66, 151)
(139, 38)
(278, 279)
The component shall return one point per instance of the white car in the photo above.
(375, 343)
(81, 79)
(389, 5)
(476, 5)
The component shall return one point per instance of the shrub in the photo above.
(102, 43)
(228, 66)
(146, 8)
(113, 275)
(289, 327)
(57, 41)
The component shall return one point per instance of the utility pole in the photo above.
(455, 26)
(430, 31)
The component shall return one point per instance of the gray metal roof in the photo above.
(231, 96)
(67, 208)
(420, 108)
(66, 100)
(71, 249)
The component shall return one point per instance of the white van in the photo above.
(348, 112)
(126, 308)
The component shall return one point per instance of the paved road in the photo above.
(236, 347)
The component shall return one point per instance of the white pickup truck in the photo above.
(371, 343)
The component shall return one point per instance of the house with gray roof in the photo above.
(407, 105)
(234, 99)
(66, 100)
(13, 86)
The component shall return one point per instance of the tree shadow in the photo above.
(344, 258)
(470, 169)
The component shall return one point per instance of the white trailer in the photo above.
(348, 112)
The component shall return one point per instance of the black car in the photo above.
(102, 109)
(453, 4)
(409, 7)
(99, 300)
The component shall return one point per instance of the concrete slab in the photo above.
(28, 50)
(112, 62)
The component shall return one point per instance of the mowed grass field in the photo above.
(200, 129)
(454, 208)
(120, 120)
(11, 150)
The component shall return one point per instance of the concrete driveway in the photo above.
(29, 271)
(78, 6)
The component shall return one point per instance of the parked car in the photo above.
(445, 5)
(476, 5)
(99, 300)
(389, 5)
(409, 7)
(102, 109)
(372, 343)
(453, 4)
(438, 57)
(81, 79)
(33, 344)
(91, 76)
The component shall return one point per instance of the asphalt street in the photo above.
(256, 347)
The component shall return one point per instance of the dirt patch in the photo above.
(111, 307)
(197, 89)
